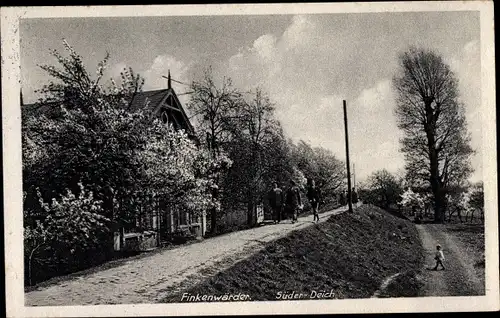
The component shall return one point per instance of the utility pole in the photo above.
(354, 175)
(347, 159)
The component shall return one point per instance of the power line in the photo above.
(185, 93)
(180, 82)
(174, 80)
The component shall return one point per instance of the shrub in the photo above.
(70, 227)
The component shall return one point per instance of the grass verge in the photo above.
(471, 235)
(348, 256)
(407, 284)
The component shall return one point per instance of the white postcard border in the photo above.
(12, 168)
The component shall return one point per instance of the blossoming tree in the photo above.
(410, 199)
(87, 138)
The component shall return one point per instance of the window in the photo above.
(183, 217)
(164, 117)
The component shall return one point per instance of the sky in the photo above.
(307, 63)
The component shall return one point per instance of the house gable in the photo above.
(164, 104)
(170, 110)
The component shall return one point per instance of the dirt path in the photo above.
(459, 278)
(150, 279)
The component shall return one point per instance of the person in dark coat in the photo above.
(354, 195)
(342, 198)
(276, 201)
(314, 196)
(293, 200)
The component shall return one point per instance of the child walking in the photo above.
(439, 258)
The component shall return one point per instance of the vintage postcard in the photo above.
(243, 159)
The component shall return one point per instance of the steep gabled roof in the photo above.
(157, 100)
(154, 100)
(149, 98)
(37, 109)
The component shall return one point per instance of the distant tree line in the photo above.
(390, 192)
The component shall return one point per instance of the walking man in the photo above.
(293, 200)
(313, 194)
(276, 200)
(354, 196)
(342, 198)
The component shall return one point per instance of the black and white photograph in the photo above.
(249, 159)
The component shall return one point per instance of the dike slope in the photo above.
(348, 256)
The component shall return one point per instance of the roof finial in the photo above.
(169, 80)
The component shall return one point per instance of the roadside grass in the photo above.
(407, 284)
(351, 254)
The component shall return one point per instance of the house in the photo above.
(168, 221)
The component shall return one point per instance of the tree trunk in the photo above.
(158, 226)
(252, 191)
(119, 223)
(214, 151)
(122, 237)
(439, 215)
(430, 130)
(108, 204)
(436, 187)
(29, 271)
(30, 262)
(213, 211)
(213, 220)
(250, 206)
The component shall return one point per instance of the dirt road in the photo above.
(460, 277)
(150, 279)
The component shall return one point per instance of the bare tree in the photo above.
(436, 142)
(253, 128)
(212, 105)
